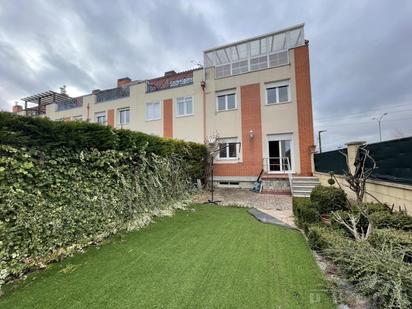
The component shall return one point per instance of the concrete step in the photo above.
(305, 183)
(299, 194)
(302, 187)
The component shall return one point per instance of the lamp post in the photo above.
(379, 124)
(320, 139)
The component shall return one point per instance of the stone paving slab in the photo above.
(277, 206)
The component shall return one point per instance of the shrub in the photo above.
(379, 273)
(396, 220)
(19, 131)
(64, 185)
(397, 239)
(304, 212)
(328, 199)
(321, 237)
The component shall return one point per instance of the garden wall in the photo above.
(64, 186)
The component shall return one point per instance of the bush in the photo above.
(379, 273)
(328, 199)
(19, 131)
(304, 212)
(397, 239)
(396, 220)
(64, 185)
(321, 237)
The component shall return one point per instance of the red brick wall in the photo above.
(251, 148)
(168, 118)
(110, 117)
(304, 103)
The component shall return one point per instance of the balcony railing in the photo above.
(69, 104)
(112, 94)
(171, 81)
(276, 165)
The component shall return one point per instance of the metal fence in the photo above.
(393, 159)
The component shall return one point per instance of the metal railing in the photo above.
(112, 94)
(69, 104)
(171, 81)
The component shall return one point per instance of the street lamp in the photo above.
(379, 124)
(320, 139)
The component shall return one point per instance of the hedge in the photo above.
(29, 132)
(328, 199)
(304, 212)
(396, 220)
(59, 194)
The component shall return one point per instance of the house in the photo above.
(253, 96)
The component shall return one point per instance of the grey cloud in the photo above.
(360, 51)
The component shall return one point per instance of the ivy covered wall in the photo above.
(64, 186)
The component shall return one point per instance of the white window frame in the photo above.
(184, 100)
(100, 114)
(279, 138)
(226, 93)
(119, 111)
(277, 85)
(147, 110)
(228, 141)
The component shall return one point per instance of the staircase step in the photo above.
(299, 194)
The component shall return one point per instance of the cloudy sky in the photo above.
(361, 51)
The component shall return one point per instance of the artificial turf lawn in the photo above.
(207, 257)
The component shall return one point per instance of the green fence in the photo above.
(393, 159)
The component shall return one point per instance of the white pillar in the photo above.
(352, 152)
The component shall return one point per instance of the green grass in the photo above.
(210, 257)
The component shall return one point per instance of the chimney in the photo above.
(95, 91)
(17, 108)
(170, 73)
(123, 81)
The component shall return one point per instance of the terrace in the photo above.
(262, 52)
(171, 79)
(112, 94)
(35, 105)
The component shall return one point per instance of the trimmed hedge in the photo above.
(328, 199)
(40, 132)
(304, 212)
(65, 185)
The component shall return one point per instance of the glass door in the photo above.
(279, 153)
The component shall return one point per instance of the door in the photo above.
(279, 153)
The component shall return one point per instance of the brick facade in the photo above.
(110, 117)
(304, 107)
(168, 118)
(251, 147)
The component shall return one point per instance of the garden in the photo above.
(370, 243)
(96, 217)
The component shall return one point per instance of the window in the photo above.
(123, 116)
(100, 117)
(226, 101)
(184, 106)
(277, 93)
(153, 111)
(229, 149)
(279, 153)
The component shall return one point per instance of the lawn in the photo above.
(207, 257)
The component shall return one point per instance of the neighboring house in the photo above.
(256, 92)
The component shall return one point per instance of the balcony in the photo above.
(69, 104)
(169, 81)
(112, 94)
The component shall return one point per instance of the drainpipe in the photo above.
(203, 85)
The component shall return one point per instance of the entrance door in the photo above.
(279, 153)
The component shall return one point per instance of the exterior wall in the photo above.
(386, 192)
(304, 106)
(251, 113)
(275, 118)
(168, 118)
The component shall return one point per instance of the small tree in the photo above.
(357, 183)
